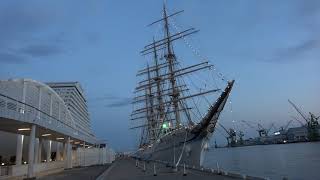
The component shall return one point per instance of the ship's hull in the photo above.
(177, 147)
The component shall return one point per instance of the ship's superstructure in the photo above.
(170, 131)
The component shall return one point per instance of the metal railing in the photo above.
(11, 108)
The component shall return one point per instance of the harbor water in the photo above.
(299, 161)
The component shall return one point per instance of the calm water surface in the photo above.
(294, 161)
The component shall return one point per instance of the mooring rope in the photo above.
(184, 144)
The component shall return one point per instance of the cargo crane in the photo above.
(283, 129)
(261, 130)
(287, 125)
(232, 136)
(312, 123)
(271, 126)
(241, 135)
(295, 118)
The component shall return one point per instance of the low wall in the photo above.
(21, 170)
(91, 156)
(80, 157)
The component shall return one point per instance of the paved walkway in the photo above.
(85, 173)
(126, 169)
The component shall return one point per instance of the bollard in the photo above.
(154, 170)
(218, 169)
(175, 168)
(244, 176)
(144, 166)
(136, 163)
(184, 170)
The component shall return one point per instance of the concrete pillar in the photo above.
(19, 149)
(64, 154)
(69, 154)
(31, 152)
(40, 151)
(48, 157)
(58, 156)
(84, 153)
(36, 151)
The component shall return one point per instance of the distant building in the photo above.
(74, 98)
(297, 134)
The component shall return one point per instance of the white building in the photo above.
(74, 98)
(45, 128)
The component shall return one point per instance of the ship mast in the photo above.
(147, 115)
(164, 96)
(151, 119)
(170, 57)
(158, 80)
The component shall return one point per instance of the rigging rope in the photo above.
(195, 51)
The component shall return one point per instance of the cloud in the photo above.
(112, 100)
(304, 18)
(19, 20)
(310, 7)
(11, 58)
(121, 102)
(42, 50)
(106, 97)
(295, 52)
(302, 47)
(44, 28)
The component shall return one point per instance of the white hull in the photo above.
(178, 147)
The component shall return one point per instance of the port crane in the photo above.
(227, 137)
(283, 129)
(241, 135)
(312, 123)
(287, 125)
(271, 126)
(232, 136)
(295, 118)
(249, 125)
(261, 130)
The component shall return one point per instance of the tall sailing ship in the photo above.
(162, 108)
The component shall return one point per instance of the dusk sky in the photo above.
(271, 48)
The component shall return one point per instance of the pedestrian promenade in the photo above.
(129, 169)
(81, 173)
